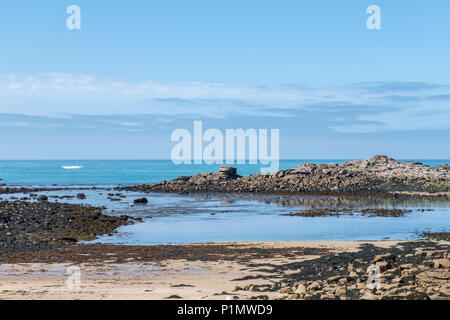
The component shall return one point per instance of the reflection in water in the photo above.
(318, 202)
(173, 218)
(224, 217)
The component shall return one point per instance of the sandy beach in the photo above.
(259, 270)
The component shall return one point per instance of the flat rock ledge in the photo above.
(378, 174)
(28, 226)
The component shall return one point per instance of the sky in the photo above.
(137, 70)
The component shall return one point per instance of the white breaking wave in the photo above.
(71, 167)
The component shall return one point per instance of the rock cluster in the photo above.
(367, 212)
(374, 175)
(421, 271)
(41, 225)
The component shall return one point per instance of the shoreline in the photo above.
(379, 176)
(237, 270)
(8, 190)
(46, 221)
(39, 240)
(309, 270)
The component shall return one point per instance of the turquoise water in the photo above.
(113, 172)
(172, 218)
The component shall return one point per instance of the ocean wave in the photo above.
(71, 167)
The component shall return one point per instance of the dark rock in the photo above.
(68, 239)
(81, 196)
(42, 198)
(174, 296)
(228, 170)
(140, 201)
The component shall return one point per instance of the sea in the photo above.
(125, 172)
(199, 218)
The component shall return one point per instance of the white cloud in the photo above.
(44, 94)
(129, 124)
(412, 119)
(64, 95)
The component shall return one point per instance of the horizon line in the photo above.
(224, 162)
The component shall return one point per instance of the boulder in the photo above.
(383, 257)
(305, 168)
(412, 163)
(301, 289)
(42, 198)
(225, 173)
(314, 286)
(228, 170)
(379, 160)
(286, 290)
(140, 201)
(383, 265)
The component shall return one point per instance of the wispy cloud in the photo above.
(396, 86)
(403, 98)
(87, 100)
(439, 97)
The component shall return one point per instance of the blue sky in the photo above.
(137, 70)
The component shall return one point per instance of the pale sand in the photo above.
(201, 279)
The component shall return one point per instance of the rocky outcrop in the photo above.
(26, 226)
(418, 270)
(374, 175)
